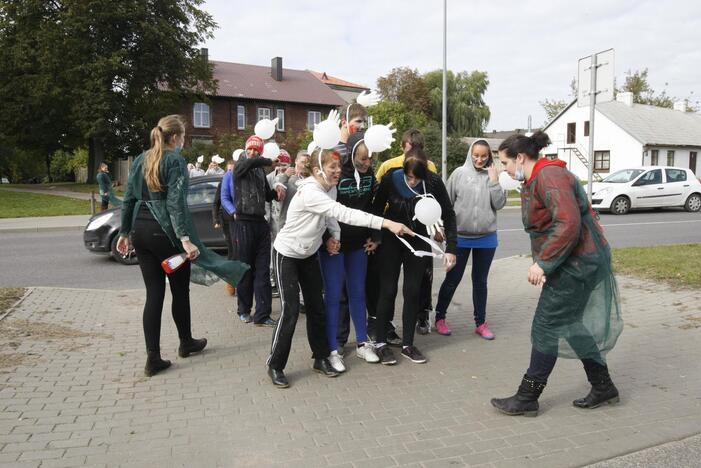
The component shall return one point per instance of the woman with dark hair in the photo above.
(476, 195)
(400, 190)
(578, 313)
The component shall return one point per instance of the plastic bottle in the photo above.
(174, 263)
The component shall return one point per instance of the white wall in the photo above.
(625, 150)
(681, 157)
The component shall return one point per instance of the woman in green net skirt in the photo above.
(578, 312)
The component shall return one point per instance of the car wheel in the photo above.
(620, 205)
(128, 259)
(693, 203)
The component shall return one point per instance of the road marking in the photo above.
(626, 224)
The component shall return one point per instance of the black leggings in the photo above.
(152, 246)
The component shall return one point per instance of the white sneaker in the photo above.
(336, 361)
(367, 351)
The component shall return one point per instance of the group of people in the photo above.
(332, 234)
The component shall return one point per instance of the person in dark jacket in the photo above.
(104, 183)
(348, 265)
(222, 218)
(253, 232)
(400, 190)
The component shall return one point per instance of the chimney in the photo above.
(204, 53)
(276, 68)
(626, 98)
(680, 106)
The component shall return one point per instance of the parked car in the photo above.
(100, 235)
(647, 187)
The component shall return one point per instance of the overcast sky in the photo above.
(529, 48)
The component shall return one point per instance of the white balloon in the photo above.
(236, 154)
(507, 183)
(216, 159)
(200, 159)
(379, 138)
(265, 128)
(271, 150)
(311, 147)
(428, 211)
(327, 134)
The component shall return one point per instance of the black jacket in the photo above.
(400, 203)
(252, 188)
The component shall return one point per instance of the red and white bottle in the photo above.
(174, 263)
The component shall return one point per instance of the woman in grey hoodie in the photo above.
(476, 195)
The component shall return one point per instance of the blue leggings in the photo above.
(481, 261)
(349, 267)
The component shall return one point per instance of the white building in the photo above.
(626, 135)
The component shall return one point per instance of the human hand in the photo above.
(366, 99)
(281, 191)
(290, 171)
(449, 261)
(536, 275)
(396, 228)
(493, 173)
(275, 161)
(123, 245)
(370, 246)
(436, 231)
(333, 246)
(190, 249)
(217, 225)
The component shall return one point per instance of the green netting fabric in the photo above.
(578, 314)
(169, 208)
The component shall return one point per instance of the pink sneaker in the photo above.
(442, 327)
(483, 331)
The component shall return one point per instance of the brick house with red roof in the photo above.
(248, 93)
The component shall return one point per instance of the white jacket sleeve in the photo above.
(317, 202)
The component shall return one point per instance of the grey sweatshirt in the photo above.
(475, 199)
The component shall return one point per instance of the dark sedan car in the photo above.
(100, 235)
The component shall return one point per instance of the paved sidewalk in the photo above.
(72, 390)
(44, 223)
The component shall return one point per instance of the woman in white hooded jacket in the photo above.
(476, 195)
(312, 210)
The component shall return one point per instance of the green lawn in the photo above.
(23, 204)
(676, 265)
(66, 186)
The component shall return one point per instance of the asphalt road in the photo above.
(58, 259)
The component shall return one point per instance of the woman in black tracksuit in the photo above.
(400, 190)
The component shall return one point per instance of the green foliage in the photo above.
(402, 119)
(405, 85)
(552, 108)
(65, 163)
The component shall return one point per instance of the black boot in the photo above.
(154, 363)
(278, 378)
(525, 402)
(602, 388)
(323, 366)
(193, 345)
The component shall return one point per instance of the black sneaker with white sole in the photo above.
(386, 355)
(413, 354)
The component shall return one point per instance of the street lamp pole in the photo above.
(444, 132)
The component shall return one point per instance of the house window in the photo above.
(263, 113)
(313, 117)
(201, 115)
(280, 120)
(586, 128)
(241, 117)
(602, 161)
(571, 133)
(551, 156)
(655, 157)
(670, 158)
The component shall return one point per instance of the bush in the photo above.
(64, 164)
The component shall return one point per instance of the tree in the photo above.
(406, 86)
(98, 72)
(402, 119)
(552, 108)
(637, 83)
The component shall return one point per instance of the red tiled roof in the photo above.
(332, 80)
(256, 82)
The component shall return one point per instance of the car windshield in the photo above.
(621, 177)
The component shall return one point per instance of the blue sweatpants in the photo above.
(347, 268)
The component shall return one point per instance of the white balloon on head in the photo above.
(236, 154)
(327, 134)
(379, 138)
(271, 150)
(508, 183)
(311, 147)
(265, 128)
(428, 211)
(200, 159)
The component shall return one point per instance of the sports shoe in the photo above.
(413, 354)
(367, 351)
(484, 331)
(337, 362)
(245, 318)
(323, 366)
(442, 327)
(386, 355)
(393, 339)
(266, 323)
(423, 327)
